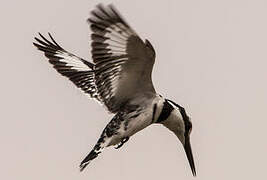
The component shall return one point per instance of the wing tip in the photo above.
(42, 42)
(108, 13)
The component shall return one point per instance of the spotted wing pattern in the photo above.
(78, 70)
(123, 62)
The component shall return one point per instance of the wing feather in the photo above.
(78, 70)
(122, 66)
(123, 62)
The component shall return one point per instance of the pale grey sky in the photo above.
(211, 59)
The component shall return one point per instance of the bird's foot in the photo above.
(124, 140)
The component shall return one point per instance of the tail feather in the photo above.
(103, 142)
(92, 155)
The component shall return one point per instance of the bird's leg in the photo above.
(124, 140)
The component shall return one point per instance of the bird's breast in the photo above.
(137, 122)
(145, 115)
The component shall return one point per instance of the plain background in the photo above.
(211, 58)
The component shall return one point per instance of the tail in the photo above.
(102, 143)
(92, 155)
(99, 147)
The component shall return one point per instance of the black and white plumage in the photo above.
(120, 79)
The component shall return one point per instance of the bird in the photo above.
(120, 79)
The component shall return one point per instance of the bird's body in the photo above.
(131, 119)
(119, 78)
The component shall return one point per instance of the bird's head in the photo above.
(180, 124)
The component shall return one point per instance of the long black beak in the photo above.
(188, 151)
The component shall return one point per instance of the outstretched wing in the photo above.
(78, 70)
(123, 62)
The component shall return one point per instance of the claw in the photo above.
(124, 140)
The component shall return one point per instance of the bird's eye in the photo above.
(188, 126)
(190, 130)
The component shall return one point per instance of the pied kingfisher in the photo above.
(120, 79)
